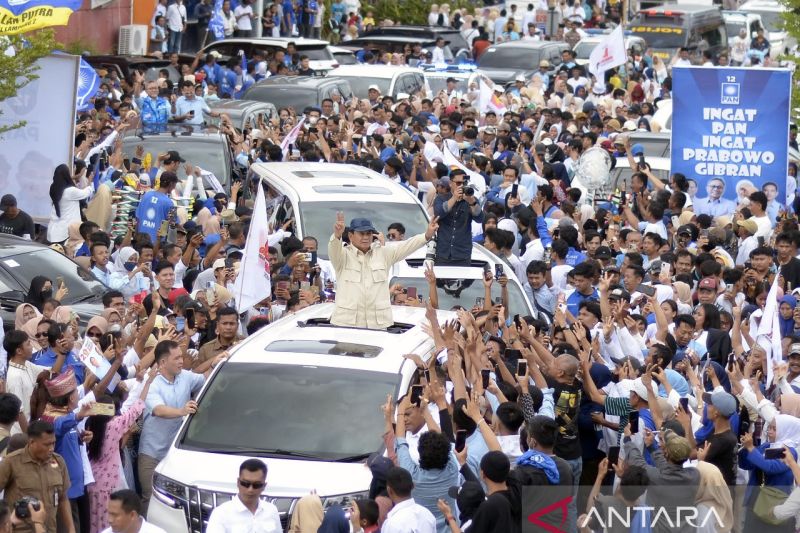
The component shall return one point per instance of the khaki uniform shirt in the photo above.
(362, 284)
(210, 350)
(21, 475)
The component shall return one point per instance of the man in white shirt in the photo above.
(160, 11)
(682, 59)
(124, 514)
(244, 19)
(758, 210)
(247, 511)
(746, 230)
(438, 51)
(406, 515)
(176, 23)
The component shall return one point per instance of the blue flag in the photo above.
(215, 25)
(88, 85)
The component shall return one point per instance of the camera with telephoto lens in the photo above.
(21, 506)
(469, 190)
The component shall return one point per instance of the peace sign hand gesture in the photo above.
(338, 227)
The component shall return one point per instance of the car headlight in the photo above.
(169, 487)
(344, 500)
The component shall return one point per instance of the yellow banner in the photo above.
(33, 19)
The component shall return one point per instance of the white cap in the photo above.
(373, 86)
(498, 89)
(520, 77)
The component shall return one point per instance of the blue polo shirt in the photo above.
(48, 358)
(68, 446)
(574, 300)
(158, 432)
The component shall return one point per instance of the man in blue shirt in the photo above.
(212, 69)
(168, 401)
(155, 206)
(189, 108)
(61, 340)
(154, 109)
(582, 276)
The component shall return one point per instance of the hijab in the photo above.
(790, 404)
(30, 328)
(99, 209)
(677, 382)
(108, 311)
(787, 324)
(307, 516)
(787, 431)
(74, 238)
(713, 492)
(62, 314)
(62, 179)
(683, 291)
(35, 296)
(335, 521)
(722, 376)
(123, 257)
(97, 322)
(19, 321)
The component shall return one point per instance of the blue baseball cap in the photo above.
(637, 149)
(362, 224)
(724, 403)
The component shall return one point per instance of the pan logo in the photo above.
(730, 93)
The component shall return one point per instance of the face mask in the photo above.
(46, 294)
(130, 266)
(114, 328)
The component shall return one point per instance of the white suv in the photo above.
(303, 396)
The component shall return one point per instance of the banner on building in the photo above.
(21, 16)
(730, 134)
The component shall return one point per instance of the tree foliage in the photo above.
(791, 21)
(19, 69)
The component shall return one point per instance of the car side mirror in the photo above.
(11, 299)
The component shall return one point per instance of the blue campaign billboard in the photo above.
(730, 134)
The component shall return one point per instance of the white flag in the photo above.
(770, 327)
(254, 283)
(291, 137)
(608, 54)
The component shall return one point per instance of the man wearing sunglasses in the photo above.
(247, 511)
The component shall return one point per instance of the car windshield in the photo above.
(318, 217)
(653, 147)
(623, 174)
(438, 82)
(771, 20)
(464, 293)
(290, 408)
(51, 264)
(733, 27)
(320, 53)
(661, 37)
(584, 49)
(509, 57)
(284, 96)
(360, 84)
(210, 156)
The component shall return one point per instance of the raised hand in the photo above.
(338, 227)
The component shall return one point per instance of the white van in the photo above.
(302, 395)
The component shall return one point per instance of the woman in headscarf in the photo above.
(335, 521)
(113, 318)
(783, 430)
(128, 261)
(41, 289)
(24, 313)
(96, 328)
(31, 327)
(74, 240)
(307, 516)
(66, 198)
(790, 404)
(713, 493)
(785, 314)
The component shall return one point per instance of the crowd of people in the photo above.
(658, 365)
